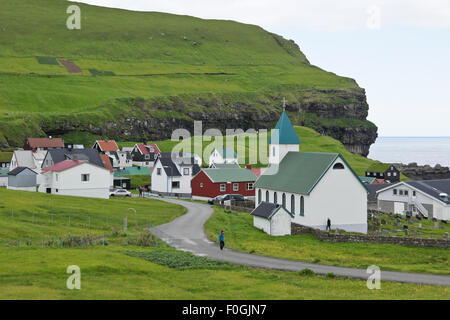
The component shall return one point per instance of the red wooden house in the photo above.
(212, 182)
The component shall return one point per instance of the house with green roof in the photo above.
(384, 171)
(212, 182)
(314, 187)
(222, 155)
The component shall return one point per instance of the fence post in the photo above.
(20, 242)
(51, 218)
(69, 221)
(89, 218)
(12, 214)
(103, 240)
(32, 219)
(107, 222)
(42, 242)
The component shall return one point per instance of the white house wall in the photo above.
(159, 182)
(440, 210)
(340, 197)
(262, 224)
(281, 223)
(69, 182)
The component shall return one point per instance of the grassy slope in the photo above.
(107, 273)
(149, 56)
(40, 273)
(242, 236)
(104, 214)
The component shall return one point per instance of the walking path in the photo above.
(186, 233)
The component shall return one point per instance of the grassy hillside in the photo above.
(145, 55)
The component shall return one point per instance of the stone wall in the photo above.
(406, 241)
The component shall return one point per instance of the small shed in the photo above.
(273, 219)
(22, 178)
(4, 177)
(122, 182)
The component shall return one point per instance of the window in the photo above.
(259, 196)
(302, 206)
(175, 184)
(186, 171)
(267, 196)
(414, 193)
(201, 185)
(56, 176)
(158, 171)
(275, 198)
(147, 156)
(223, 187)
(292, 204)
(235, 186)
(56, 190)
(249, 186)
(85, 177)
(406, 192)
(389, 174)
(400, 192)
(394, 174)
(283, 200)
(395, 191)
(338, 166)
(152, 150)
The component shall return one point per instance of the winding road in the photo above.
(186, 233)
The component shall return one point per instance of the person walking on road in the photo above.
(221, 240)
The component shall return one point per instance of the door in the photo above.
(49, 190)
(399, 207)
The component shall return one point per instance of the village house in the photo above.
(76, 178)
(212, 182)
(222, 155)
(144, 155)
(430, 198)
(54, 156)
(313, 187)
(107, 164)
(172, 174)
(110, 148)
(22, 178)
(5, 159)
(27, 158)
(272, 218)
(43, 144)
(383, 171)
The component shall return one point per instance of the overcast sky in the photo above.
(398, 50)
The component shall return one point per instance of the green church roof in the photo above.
(299, 172)
(286, 133)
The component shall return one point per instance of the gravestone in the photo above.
(406, 232)
(436, 224)
(415, 233)
(125, 224)
(420, 226)
(446, 236)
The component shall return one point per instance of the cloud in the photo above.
(325, 15)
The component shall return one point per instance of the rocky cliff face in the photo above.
(339, 114)
(426, 172)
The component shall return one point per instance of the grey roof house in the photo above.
(22, 178)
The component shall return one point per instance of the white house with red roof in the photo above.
(76, 178)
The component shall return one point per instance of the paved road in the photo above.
(186, 233)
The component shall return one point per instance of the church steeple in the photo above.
(283, 139)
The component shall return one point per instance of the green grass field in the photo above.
(150, 55)
(120, 271)
(241, 235)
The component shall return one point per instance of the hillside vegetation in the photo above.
(141, 65)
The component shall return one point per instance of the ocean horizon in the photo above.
(420, 149)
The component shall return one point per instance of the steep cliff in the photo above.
(138, 75)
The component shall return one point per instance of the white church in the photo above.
(307, 188)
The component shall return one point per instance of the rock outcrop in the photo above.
(425, 172)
